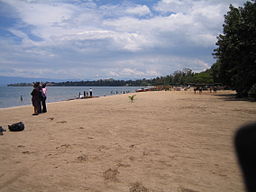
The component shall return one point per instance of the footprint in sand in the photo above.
(20, 146)
(27, 152)
(82, 158)
(102, 148)
(138, 187)
(51, 118)
(111, 175)
(63, 148)
(123, 165)
(61, 122)
(181, 189)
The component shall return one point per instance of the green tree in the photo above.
(204, 77)
(236, 52)
(215, 68)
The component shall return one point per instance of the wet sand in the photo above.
(173, 141)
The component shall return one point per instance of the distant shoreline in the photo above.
(65, 100)
(20, 96)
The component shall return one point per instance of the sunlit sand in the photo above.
(164, 141)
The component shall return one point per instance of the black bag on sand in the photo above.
(2, 130)
(17, 127)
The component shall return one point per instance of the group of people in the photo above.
(86, 94)
(39, 98)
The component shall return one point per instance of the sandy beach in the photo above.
(166, 141)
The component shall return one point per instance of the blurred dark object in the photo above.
(17, 127)
(2, 130)
(245, 143)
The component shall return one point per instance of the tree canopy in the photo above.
(236, 51)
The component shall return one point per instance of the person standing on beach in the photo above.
(36, 98)
(90, 90)
(44, 93)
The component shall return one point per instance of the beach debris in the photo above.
(138, 187)
(2, 130)
(111, 174)
(131, 97)
(17, 126)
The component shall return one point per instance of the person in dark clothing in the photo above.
(36, 98)
(90, 90)
(44, 93)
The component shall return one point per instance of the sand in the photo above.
(167, 141)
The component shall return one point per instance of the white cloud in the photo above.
(139, 10)
(82, 39)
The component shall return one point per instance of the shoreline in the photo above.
(30, 105)
(21, 97)
(94, 97)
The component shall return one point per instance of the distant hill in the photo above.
(4, 80)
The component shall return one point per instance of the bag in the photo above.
(17, 127)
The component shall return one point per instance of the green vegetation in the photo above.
(236, 52)
(183, 77)
(131, 97)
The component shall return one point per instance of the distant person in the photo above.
(21, 98)
(44, 97)
(36, 98)
(90, 90)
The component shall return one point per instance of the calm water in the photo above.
(11, 96)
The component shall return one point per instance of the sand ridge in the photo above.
(164, 141)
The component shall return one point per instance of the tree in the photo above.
(236, 52)
(214, 71)
(204, 77)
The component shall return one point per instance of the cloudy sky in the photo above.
(97, 39)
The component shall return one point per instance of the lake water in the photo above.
(11, 96)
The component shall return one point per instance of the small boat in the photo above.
(140, 90)
(143, 89)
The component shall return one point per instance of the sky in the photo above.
(100, 39)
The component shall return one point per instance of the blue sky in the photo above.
(120, 39)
